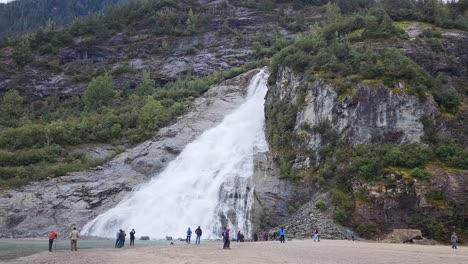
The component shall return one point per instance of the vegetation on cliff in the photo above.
(33, 143)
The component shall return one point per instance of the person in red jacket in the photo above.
(52, 237)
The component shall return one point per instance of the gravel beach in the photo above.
(305, 251)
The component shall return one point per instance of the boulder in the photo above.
(144, 238)
(406, 235)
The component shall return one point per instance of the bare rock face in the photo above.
(272, 195)
(73, 200)
(367, 114)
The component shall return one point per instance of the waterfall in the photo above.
(208, 185)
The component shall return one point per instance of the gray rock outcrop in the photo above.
(367, 114)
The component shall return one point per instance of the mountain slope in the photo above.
(29, 15)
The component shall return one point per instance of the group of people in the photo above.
(74, 235)
(120, 238)
(264, 237)
(198, 233)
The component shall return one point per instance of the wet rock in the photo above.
(144, 238)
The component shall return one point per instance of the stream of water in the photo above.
(207, 185)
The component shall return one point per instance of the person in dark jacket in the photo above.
(132, 237)
(238, 236)
(227, 243)
(255, 237)
(198, 232)
(189, 234)
(117, 238)
(122, 239)
(454, 240)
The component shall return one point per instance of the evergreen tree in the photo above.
(11, 108)
(146, 86)
(100, 92)
(22, 53)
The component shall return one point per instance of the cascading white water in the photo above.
(207, 185)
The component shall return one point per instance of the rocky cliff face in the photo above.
(366, 114)
(369, 113)
(73, 200)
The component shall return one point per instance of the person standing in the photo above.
(117, 238)
(132, 237)
(238, 236)
(122, 238)
(454, 240)
(282, 233)
(316, 235)
(255, 237)
(227, 243)
(189, 235)
(74, 235)
(52, 238)
(198, 232)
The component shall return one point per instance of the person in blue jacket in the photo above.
(189, 234)
(282, 233)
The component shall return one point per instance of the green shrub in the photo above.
(369, 231)
(22, 53)
(436, 196)
(100, 92)
(343, 216)
(321, 205)
(344, 204)
(420, 174)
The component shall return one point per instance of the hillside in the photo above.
(366, 111)
(29, 15)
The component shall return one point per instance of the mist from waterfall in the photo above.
(207, 185)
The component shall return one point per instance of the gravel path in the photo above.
(306, 251)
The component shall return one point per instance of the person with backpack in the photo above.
(282, 233)
(52, 237)
(189, 234)
(198, 232)
(132, 237)
(74, 239)
(227, 243)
